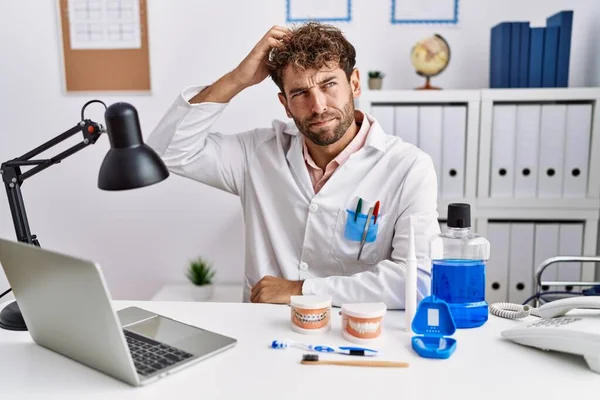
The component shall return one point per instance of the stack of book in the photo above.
(531, 57)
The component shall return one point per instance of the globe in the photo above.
(429, 57)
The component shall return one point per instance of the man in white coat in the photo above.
(300, 182)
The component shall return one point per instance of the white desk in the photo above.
(483, 366)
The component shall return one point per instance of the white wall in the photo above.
(143, 238)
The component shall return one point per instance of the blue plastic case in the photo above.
(434, 322)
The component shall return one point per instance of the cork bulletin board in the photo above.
(105, 45)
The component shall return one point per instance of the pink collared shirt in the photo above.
(320, 177)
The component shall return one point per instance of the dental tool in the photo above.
(351, 351)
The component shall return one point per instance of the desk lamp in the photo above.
(129, 164)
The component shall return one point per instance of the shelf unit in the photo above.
(586, 209)
(468, 98)
(478, 157)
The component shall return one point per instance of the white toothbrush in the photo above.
(410, 281)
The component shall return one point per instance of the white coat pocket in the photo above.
(348, 235)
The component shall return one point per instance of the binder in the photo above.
(453, 154)
(520, 273)
(500, 55)
(496, 289)
(577, 150)
(551, 156)
(550, 56)
(503, 151)
(570, 243)
(524, 55)
(526, 150)
(564, 21)
(430, 136)
(546, 246)
(385, 116)
(515, 54)
(407, 124)
(536, 56)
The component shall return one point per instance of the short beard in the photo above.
(319, 137)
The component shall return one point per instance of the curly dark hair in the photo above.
(313, 45)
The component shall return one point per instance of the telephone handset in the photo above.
(549, 310)
(558, 308)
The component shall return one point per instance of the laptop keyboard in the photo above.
(150, 356)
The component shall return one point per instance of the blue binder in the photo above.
(524, 56)
(564, 21)
(515, 53)
(536, 56)
(500, 56)
(550, 56)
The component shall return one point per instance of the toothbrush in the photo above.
(410, 304)
(352, 351)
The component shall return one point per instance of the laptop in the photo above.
(67, 308)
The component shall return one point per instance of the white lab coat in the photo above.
(293, 233)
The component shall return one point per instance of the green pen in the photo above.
(358, 207)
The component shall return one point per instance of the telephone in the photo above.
(576, 333)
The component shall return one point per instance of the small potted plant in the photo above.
(375, 80)
(200, 273)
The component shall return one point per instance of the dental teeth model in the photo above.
(362, 322)
(310, 314)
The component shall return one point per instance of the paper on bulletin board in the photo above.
(104, 24)
(425, 11)
(321, 10)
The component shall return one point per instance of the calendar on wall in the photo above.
(104, 24)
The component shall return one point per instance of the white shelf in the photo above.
(480, 108)
(527, 209)
(527, 204)
(418, 96)
(182, 292)
(541, 94)
(534, 214)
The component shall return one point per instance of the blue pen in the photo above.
(351, 351)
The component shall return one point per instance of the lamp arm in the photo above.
(13, 178)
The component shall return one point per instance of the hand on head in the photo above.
(253, 69)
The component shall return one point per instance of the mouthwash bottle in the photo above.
(458, 258)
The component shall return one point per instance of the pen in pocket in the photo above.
(376, 212)
(358, 208)
(365, 232)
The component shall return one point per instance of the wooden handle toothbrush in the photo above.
(309, 359)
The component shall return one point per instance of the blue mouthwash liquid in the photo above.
(461, 284)
(458, 259)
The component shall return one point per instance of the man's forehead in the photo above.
(292, 74)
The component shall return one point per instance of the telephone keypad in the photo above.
(549, 322)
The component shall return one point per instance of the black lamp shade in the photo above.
(129, 163)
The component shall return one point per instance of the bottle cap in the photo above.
(459, 215)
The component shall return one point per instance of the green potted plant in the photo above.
(201, 273)
(375, 79)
